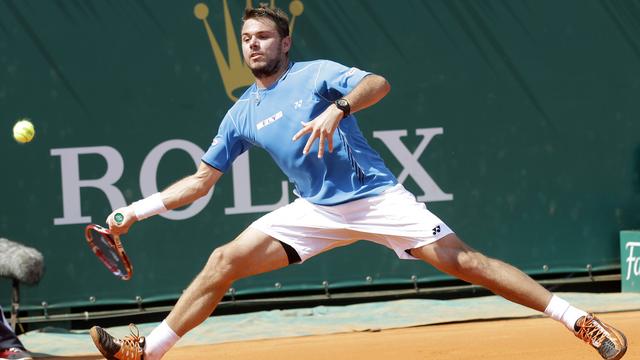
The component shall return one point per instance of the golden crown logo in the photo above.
(234, 72)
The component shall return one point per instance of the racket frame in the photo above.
(113, 241)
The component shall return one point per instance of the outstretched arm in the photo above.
(371, 89)
(181, 193)
(190, 188)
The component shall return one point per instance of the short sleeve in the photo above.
(335, 80)
(226, 146)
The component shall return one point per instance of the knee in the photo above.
(220, 266)
(470, 262)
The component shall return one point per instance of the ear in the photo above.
(286, 44)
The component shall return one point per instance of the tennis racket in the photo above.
(108, 248)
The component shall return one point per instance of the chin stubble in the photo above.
(268, 69)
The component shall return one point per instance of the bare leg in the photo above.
(452, 256)
(251, 253)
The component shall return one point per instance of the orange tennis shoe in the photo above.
(129, 348)
(609, 341)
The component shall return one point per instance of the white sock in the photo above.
(560, 310)
(159, 342)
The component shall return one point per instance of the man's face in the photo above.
(263, 49)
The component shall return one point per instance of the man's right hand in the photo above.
(129, 218)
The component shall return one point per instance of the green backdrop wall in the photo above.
(517, 121)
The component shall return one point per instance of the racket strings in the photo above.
(109, 250)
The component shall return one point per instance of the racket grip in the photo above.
(119, 218)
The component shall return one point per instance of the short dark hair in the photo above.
(276, 15)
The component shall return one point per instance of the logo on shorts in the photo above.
(436, 229)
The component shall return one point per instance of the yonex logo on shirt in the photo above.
(271, 119)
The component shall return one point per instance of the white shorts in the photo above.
(393, 219)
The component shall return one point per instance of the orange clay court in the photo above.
(522, 339)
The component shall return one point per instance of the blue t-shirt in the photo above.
(269, 118)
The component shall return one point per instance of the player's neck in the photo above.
(267, 81)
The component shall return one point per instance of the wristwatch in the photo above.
(343, 105)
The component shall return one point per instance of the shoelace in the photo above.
(592, 332)
(130, 348)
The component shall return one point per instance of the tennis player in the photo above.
(301, 113)
(10, 346)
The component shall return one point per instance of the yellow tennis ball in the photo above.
(23, 131)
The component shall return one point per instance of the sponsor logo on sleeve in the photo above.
(352, 71)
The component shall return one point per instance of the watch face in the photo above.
(343, 105)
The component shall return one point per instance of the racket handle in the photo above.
(119, 218)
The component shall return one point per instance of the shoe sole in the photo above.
(624, 350)
(624, 341)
